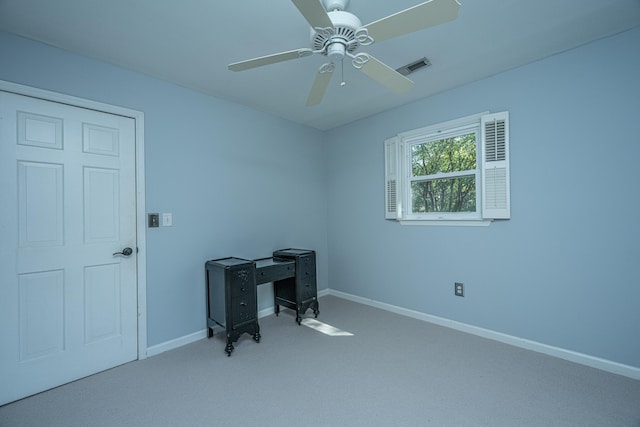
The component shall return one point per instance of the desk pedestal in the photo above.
(232, 299)
(298, 293)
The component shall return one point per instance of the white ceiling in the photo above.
(191, 42)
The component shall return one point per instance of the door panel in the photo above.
(102, 302)
(68, 305)
(41, 314)
(39, 131)
(101, 205)
(40, 204)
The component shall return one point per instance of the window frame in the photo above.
(431, 134)
(399, 172)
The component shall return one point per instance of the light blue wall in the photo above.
(563, 271)
(238, 182)
(243, 183)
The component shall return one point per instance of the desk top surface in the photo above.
(229, 262)
(268, 262)
(292, 251)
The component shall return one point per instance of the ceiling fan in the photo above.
(336, 33)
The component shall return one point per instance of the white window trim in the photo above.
(398, 173)
(480, 222)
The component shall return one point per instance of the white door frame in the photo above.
(141, 223)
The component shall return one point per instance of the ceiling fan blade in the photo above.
(319, 86)
(270, 59)
(313, 11)
(424, 15)
(383, 74)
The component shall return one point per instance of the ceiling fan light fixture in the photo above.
(336, 51)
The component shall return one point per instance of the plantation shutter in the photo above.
(495, 166)
(391, 179)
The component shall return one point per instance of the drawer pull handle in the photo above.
(243, 304)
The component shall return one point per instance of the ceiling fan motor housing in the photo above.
(342, 38)
(330, 5)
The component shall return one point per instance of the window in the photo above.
(451, 173)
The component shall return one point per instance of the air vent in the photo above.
(414, 66)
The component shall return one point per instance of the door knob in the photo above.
(125, 252)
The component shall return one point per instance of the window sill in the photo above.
(448, 223)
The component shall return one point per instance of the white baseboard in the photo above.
(178, 342)
(572, 356)
(323, 292)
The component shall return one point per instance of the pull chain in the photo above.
(343, 83)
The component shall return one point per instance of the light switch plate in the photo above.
(154, 220)
(167, 219)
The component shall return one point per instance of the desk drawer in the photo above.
(275, 271)
(307, 265)
(243, 309)
(242, 282)
(242, 290)
(307, 289)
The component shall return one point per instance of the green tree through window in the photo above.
(444, 175)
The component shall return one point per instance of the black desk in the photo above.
(232, 290)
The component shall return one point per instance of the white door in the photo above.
(68, 306)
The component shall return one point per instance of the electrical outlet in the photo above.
(458, 289)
